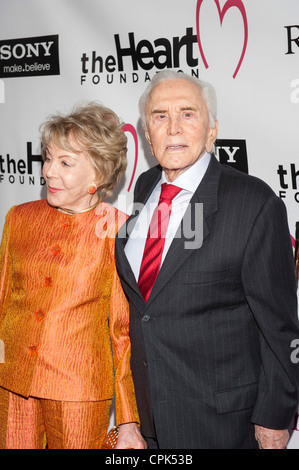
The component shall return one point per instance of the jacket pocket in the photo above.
(236, 399)
(202, 277)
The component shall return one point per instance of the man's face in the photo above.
(177, 126)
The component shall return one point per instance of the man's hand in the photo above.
(129, 437)
(271, 438)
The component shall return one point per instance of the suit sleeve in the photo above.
(5, 265)
(270, 287)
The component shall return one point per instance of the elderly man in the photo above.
(209, 274)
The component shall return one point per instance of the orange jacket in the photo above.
(62, 307)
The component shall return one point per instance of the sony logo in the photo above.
(19, 51)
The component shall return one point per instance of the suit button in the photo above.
(48, 281)
(146, 318)
(55, 250)
(39, 315)
(145, 363)
(32, 350)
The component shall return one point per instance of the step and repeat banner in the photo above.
(55, 54)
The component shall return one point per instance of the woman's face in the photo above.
(68, 176)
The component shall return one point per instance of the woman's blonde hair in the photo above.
(96, 131)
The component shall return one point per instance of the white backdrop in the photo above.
(56, 53)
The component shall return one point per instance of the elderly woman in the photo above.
(63, 315)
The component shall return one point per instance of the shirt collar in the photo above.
(190, 179)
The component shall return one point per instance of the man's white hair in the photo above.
(207, 91)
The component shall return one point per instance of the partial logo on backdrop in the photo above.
(27, 57)
(292, 39)
(134, 59)
(131, 129)
(19, 171)
(221, 12)
(288, 175)
(232, 152)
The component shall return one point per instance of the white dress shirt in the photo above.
(188, 181)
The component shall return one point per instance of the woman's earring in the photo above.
(92, 189)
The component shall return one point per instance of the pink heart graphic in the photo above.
(129, 128)
(229, 4)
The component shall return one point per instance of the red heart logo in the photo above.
(132, 130)
(229, 4)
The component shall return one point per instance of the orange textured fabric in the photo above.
(62, 307)
(33, 423)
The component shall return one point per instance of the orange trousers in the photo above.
(33, 423)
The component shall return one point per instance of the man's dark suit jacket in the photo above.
(211, 348)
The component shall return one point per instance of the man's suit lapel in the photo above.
(206, 193)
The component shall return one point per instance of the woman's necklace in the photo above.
(72, 212)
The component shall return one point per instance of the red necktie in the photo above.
(155, 241)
